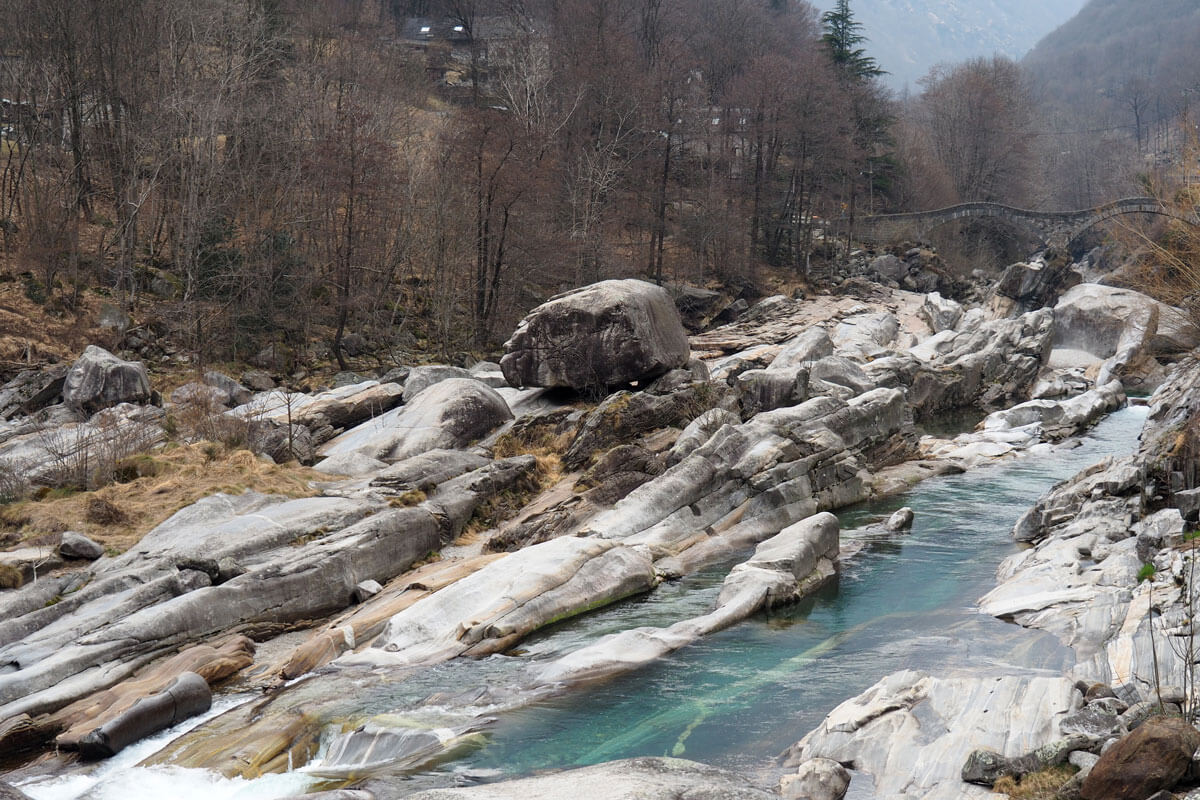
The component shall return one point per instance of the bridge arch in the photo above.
(1056, 229)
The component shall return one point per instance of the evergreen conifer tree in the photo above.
(843, 35)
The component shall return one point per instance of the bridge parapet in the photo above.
(1051, 227)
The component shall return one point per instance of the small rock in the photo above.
(902, 520)
(354, 344)
(395, 375)
(236, 392)
(258, 380)
(365, 590)
(1093, 722)
(1188, 503)
(1111, 705)
(228, 569)
(985, 767)
(76, 545)
(1083, 761)
(818, 779)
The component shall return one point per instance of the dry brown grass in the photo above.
(507, 504)
(117, 516)
(28, 331)
(1041, 785)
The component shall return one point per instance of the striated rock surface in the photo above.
(1091, 536)
(988, 366)
(632, 779)
(913, 732)
(449, 414)
(783, 569)
(606, 334)
(493, 608)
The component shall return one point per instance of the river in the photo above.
(738, 698)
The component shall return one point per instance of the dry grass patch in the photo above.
(117, 516)
(1041, 785)
(29, 331)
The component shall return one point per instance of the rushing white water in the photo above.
(119, 778)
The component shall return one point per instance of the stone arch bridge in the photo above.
(1055, 229)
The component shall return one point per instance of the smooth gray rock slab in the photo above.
(450, 414)
(421, 378)
(99, 380)
(606, 334)
(913, 733)
(632, 779)
(812, 345)
(186, 696)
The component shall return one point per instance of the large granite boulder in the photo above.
(1037, 284)
(1156, 756)
(1103, 320)
(609, 333)
(99, 380)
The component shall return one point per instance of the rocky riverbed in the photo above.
(732, 447)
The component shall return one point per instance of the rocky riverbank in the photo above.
(800, 407)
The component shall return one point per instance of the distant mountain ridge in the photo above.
(908, 37)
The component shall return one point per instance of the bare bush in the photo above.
(88, 455)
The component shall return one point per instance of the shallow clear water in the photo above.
(740, 697)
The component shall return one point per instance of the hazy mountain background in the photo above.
(908, 37)
(1116, 55)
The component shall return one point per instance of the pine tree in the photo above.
(843, 37)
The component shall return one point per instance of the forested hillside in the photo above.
(370, 173)
(1123, 69)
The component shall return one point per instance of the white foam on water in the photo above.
(119, 778)
(177, 783)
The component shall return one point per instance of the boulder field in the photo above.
(739, 441)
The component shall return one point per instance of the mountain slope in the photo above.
(1115, 49)
(908, 37)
